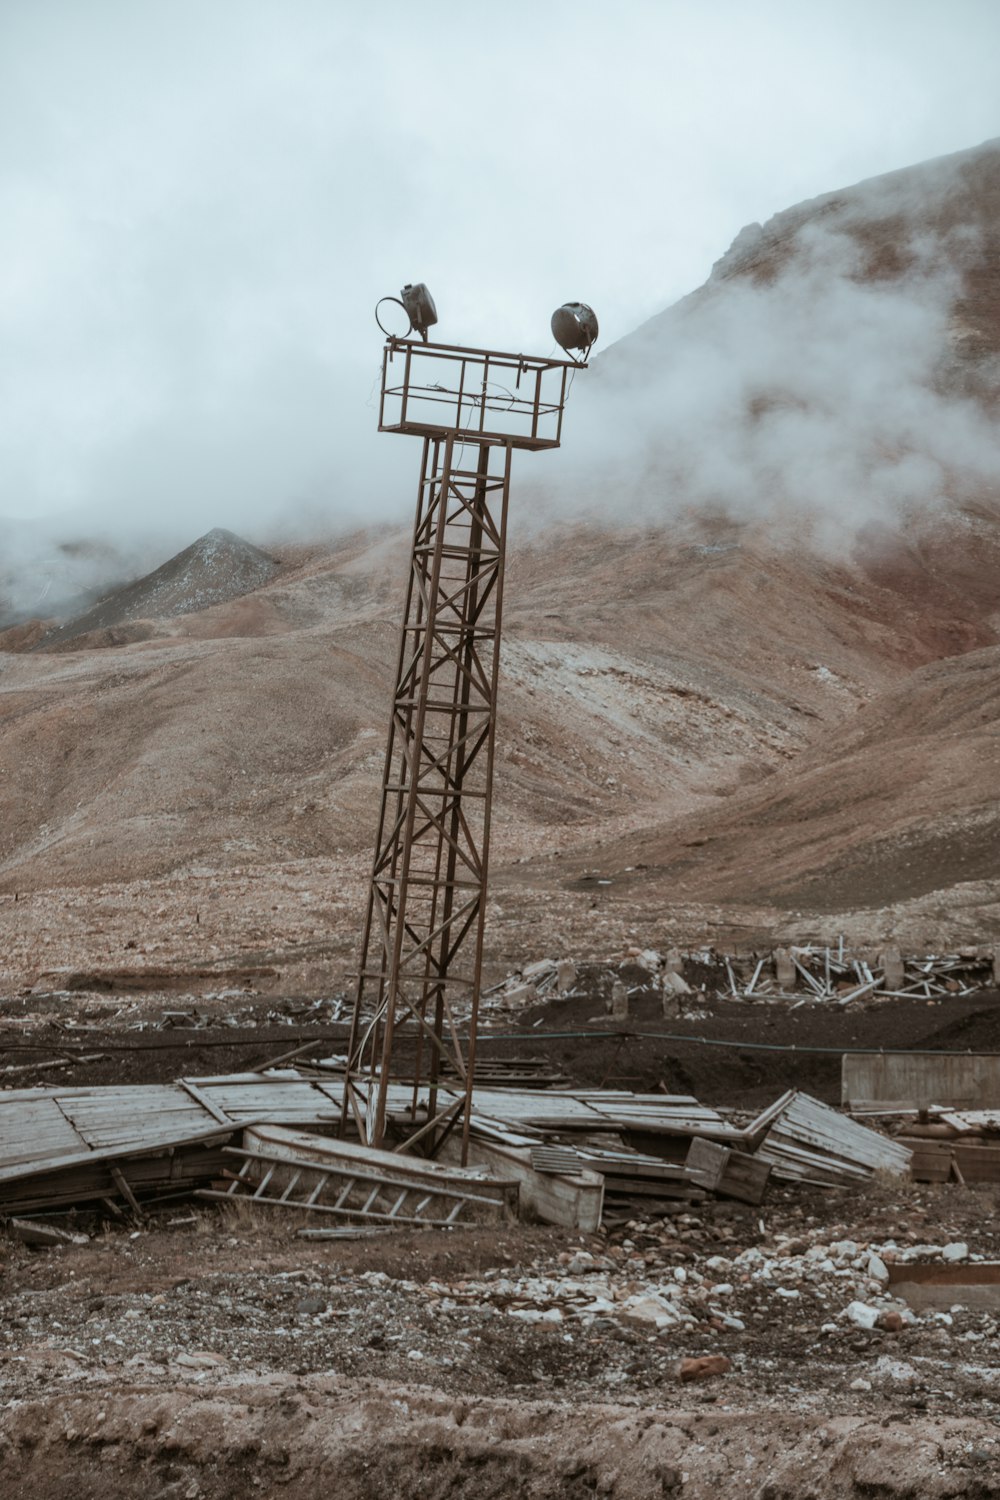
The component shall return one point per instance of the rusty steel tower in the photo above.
(422, 943)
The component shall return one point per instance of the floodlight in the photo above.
(418, 305)
(574, 326)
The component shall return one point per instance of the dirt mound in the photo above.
(312, 1436)
(26, 636)
(216, 569)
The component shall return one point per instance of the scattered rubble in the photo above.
(802, 973)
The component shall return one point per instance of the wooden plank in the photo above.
(642, 1187)
(977, 1163)
(819, 1127)
(574, 1201)
(972, 1120)
(931, 1160)
(217, 1113)
(622, 1166)
(706, 1161)
(167, 1170)
(19, 1171)
(35, 1130)
(976, 1285)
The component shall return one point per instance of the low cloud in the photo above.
(820, 395)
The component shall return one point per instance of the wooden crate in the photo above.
(731, 1173)
(931, 1160)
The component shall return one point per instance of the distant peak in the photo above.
(218, 567)
(220, 534)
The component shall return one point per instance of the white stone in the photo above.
(649, 1310)
(649, 960)
(861, 1314)
(566, 976)
(677, 984)
(887, 1368)
(600, 1307)
(955, 1251)
(877, 1267)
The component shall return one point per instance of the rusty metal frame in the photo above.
(422, 943)
(479, 383)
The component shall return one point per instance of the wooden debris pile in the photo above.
(815, 972)
(806, 1141)
(547, 978)
(799, 973)
(956, 1145)
(563, 1156)
(656, 1147)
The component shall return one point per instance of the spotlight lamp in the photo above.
(574, 326)
(418, 305)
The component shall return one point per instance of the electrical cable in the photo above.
(509, 1036)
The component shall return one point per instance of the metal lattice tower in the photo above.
(421, 951)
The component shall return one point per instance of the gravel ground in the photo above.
(232, 1313)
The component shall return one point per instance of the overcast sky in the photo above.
(201, 202)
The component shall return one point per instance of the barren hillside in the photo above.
(762, 726)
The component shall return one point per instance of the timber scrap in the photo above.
(554, 1155)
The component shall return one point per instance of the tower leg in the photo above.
(422, 946)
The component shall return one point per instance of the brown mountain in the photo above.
(742, 728)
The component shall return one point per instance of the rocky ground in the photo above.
(724, 1349)
(205, 1344)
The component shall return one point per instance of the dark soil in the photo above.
(722, 1051)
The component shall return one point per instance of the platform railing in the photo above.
(483, 395)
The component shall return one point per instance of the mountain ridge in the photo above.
(782, 735)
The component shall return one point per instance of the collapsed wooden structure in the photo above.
(806, 1141)
(569, 1157)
